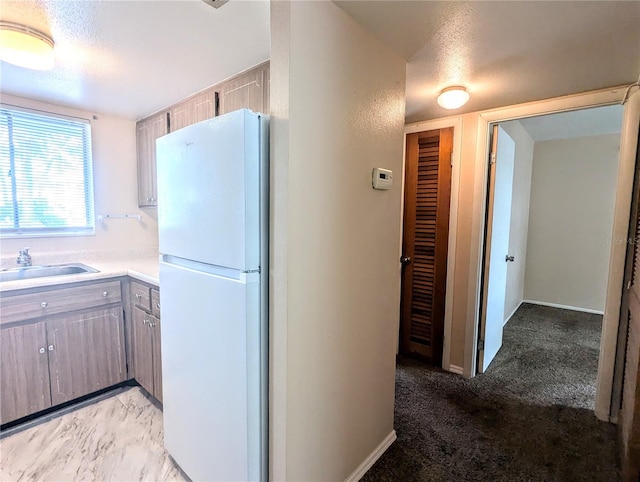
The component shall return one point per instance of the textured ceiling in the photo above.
(579, 123)
(131, 58)
(134, 57)
(505, 52)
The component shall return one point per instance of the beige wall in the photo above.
(462, 283)
(571, 219)
(519, 215)
(337, 103)
(113, 142)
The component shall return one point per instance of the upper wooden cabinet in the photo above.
(200, 107)
(248, 90)
(147, 131)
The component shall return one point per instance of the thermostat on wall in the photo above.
(382, 178)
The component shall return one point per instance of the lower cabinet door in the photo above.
(157, 360)
(86, 353)
(143, 349)
(24, 371)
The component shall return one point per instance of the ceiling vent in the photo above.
(215, 3)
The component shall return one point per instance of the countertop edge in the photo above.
(144, 270)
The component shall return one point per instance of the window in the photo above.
(45, 174)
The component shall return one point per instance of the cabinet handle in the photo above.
(158, 305)
(41, 350)
(104, 294)
(138, 296)
(43, 304)
(50, 347)
(144, 322)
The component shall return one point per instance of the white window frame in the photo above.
(89, 228)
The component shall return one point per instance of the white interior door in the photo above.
(497, 246)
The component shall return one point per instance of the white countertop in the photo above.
(144, 269)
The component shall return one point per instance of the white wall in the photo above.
(113, 142)
(337, 103)
(519, 215)
(570, 221)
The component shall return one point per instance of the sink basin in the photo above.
(30, 272)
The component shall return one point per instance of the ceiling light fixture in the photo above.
(26, 47)
(453, 97)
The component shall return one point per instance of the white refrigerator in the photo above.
(213, 199)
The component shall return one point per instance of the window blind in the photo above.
(45, 174)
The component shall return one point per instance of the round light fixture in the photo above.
(23, 46)
(453, 97)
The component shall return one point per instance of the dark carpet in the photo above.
(528, 418)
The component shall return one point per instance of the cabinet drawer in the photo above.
(49, 302)
(155, 302)
(140, 295)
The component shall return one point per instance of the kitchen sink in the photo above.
(30, 272)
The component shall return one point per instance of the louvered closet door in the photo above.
(630, 291)
(425, 239)
(628, 353)
(630, 409)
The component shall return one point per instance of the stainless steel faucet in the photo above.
(24, 258)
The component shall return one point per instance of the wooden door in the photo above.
(147, 131)
(630, 406)
(86, 353)
(631, 260)
(157, 357)
(425, 242)
(248, 90)
(629, 328)
(24, 371)
(143, 349)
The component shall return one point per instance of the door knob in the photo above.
(405, 260)
(509, 258)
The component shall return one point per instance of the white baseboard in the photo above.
(565, 307)
(456, 369)
(506, 320)
(372, 458)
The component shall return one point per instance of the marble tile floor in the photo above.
(116, 439)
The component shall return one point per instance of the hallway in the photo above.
(530, 417)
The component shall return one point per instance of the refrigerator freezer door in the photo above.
(211, 373)
(209, 191)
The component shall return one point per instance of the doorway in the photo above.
(549, 272)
